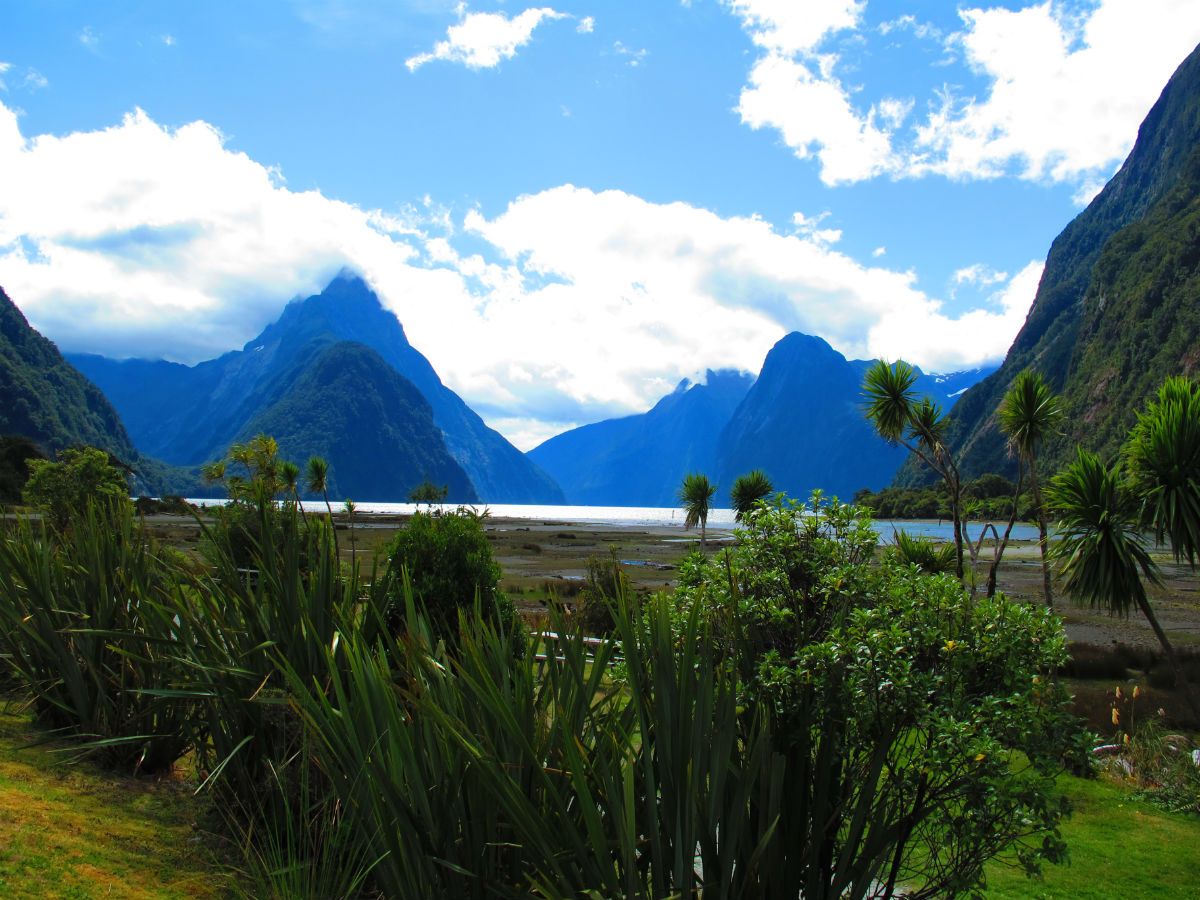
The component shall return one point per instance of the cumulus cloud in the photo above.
(897, 334)
(1065, 86)
(586, 25)
(788, 27)
(1066, 91)
(815, 116)
(484, 40)
(572, 304)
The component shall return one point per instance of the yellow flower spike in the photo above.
(1119, 694)
(1116, 716)
(950, 645)
(1126, 738)
(1137, 691)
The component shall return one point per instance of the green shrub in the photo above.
(450, 566)
(64, 488)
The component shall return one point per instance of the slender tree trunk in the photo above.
(956, 508)
(703, 524)
(1173, 660)
(991, 583)
(1041, 517)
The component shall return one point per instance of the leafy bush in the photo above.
(62, 489)
(888, 688)
(450, 566)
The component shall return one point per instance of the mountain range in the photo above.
(801, 420)
(1117, 309)
(282, 382)
(1118, 306)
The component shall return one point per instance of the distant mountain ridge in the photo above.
(801, 420)
(191, 414)
(638, 460)
(1117, 307)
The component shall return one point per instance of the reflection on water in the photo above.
(718, 519)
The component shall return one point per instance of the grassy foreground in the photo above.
(1121, 846)
(71, 831)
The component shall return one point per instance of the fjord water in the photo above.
(650, 516)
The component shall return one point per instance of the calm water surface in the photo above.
(718, 519)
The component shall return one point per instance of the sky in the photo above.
(569, 207)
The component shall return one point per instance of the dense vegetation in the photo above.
(992, 494)
(802, 717)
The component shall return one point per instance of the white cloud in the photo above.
(484, 40)
(814, 115)
(4, 67)
(878, 252)
(972, 335)
(1066, 92)
(144, 240)
(789, 27)
(168, 39)
(979, 274)
(89, 38)
(586, 25)
(1066, 85)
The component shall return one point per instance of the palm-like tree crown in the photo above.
(747, 490)
(1099, 550)
(890, 398)
(1162, 457)
(1029, 413)
(317, 475)
(289, 475)
(695, 494)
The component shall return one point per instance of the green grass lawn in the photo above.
(73, 831)
(1120, 846)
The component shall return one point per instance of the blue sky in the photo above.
(569, 206)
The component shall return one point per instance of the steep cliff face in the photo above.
(45, 399)
(1093, 329)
